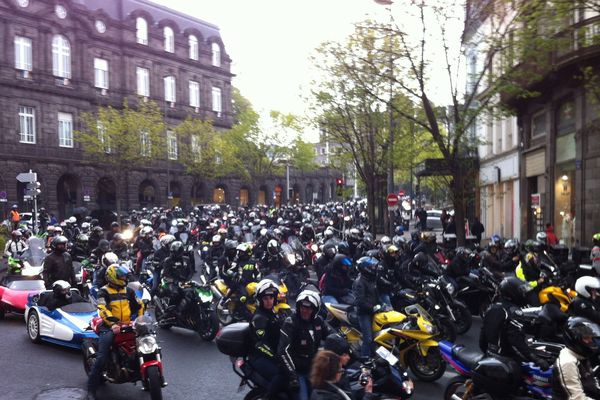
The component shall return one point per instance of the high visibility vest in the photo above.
(14, 216)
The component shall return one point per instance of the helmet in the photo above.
(104, 245)
(337, 344)
(329, 250)
(533, 246)
(582, 336)
(118, 237)
(116, 275)
(343, 248)
(94, 222)
(14, 206)
(341, 261)
(146, 231)
(244, 251)
(180, 226)
(16, 233)
(596, 238)
(273, 247)
(62, 289)
(367, 266)
(541, 237)
(109, 259)
(165, 241)
(216, 239)
(72, 220)
(511, 246)
(420, 260)
(328, 234)
(514, 290)
(462, 253)
(85, 225)
(145, 222)
(266, 287)
(309, 298)
(176, 249)
(496, 240)
(392, 250)
(82, 239)
(354, 232)
(114, 224)
(58, 230)
(399, 230)
(59, 241)
(385, 241)
(585, 284)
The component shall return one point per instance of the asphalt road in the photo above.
(194, 369)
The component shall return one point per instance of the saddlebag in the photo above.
(234, 340)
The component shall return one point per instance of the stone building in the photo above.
(61, 58)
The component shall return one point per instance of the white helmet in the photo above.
(585, 284)
(216, 239)
(541, 237)
(109, 259)
(146, 231)
(166, 241)
(309, 296)
(266, 286)
(145, 222)
(385, 241)
(72, 220)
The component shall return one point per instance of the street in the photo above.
(194, 369)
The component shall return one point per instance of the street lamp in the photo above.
(286, 162)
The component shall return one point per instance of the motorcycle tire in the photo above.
(211, 326)
(33, 327)
(447, 329)
(464, 319)
(455, 387)
(416, 363)
(88, 359)
(255, 394)
(154, 382)
(158, 314)
(223, 314)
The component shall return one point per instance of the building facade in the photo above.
(63, 58)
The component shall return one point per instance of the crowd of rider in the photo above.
(352, 267)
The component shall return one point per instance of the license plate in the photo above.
(387, 355)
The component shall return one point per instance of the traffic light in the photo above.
(339, 183)
(32, 189)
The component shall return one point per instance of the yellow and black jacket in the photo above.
(118, 305)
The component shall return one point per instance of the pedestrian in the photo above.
(551, 239)
(444, 220)
(15, 217)
(477, 229)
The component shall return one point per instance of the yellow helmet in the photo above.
(554, 294)
(116, 275)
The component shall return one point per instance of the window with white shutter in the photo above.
(170, 89)
(65, 130)
(27, 124)
(23, 53)
(61, 57)
(143, 81)
(101, 73)
(194, 94)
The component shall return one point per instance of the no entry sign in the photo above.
(392, 200)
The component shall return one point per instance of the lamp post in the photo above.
(287, 178)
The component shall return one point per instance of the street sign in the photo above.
(33, 189)
(401, 193)
(392, 200)
(27, 177)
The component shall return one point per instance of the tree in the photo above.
(122, 139)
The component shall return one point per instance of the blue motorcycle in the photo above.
(483, 377)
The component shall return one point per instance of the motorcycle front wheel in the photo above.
(210, 325)
(463, 316)
(456, 388)
(447, 329)
(224, 313)
(154, 382)
(89, 357)
(427, 368)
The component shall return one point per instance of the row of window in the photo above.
(61, 67)
(65, 135)
(169, 45)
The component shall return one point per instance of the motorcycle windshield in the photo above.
(183, 237)
(248, 238)
(295, 244)
(36, 252)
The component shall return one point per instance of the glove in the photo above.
(377, 308)
(543, 364)
(294, 384)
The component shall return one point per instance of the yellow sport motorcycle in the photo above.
(227, 308)
(408, 337)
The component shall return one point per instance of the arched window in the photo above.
(169, 39)
(216, 55)
(141, 27)
(61, 57)
(193, 43)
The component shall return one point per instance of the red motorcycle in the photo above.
(134, 356)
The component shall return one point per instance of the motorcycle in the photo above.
(478, 377)
(199, 315)
(226, 306)
(388, 378)
(409, 337)
(294, 270)
(441, 291)
(478, 292)
(135, 356)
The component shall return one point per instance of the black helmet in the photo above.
(341, 261)
(462, 253)
(343, 248)
(582, 336)
(59, 241)
(533, 246)
(337, 344)
(329, 250)
(114, 224)
(97, 230)
(367, 266)
(514, 290)
(176, 249)
(94, 222)
(104, 245)
(180, 226)
(420, 260)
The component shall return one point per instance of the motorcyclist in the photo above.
(587, 302)
(460, 266)
(108, 259)
(491, 259)
(71, 230)
(79, 250)
(16, 246)
(386, 276)
(511, 254)
(114, 229)
(157, 260)
(118, 245)
(97, 253)
(58, 265)
(301, 336)
(61, 296)
(214, 254)
(176, 270)
(573, 373)
(367, 301)
(143, 246)
(96, 234)
(501, 332)
(329, 251)
(271, 261)
(427, 245)
(529, 270)
(337, 285)
(307, 233)
(265, 330)
(116, 305)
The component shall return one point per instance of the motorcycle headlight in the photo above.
(450, 288)
(428, 327)
(292, 259)
(147, 345)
